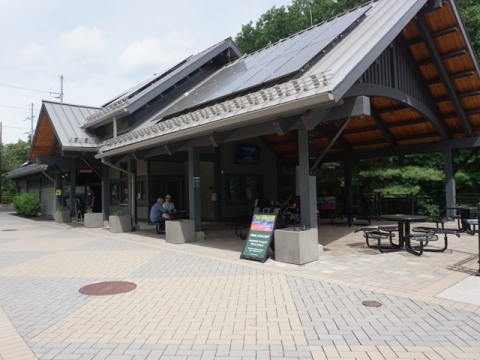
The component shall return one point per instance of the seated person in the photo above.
(169, 206)
(158, 214)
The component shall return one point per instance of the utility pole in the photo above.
(60, 94)
(61, 88)
(31, 122)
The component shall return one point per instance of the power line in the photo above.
(23, 88)
(15, 127)
(14, 107)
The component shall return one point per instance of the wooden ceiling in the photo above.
(443, 59)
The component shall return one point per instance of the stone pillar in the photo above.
(73, 187)
(307, 179)
(105, 191)
(194, 199)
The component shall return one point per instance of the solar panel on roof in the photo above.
(274, 62)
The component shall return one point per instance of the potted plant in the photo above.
(62, 214)
(92, 219)
(120, 222)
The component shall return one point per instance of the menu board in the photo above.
(259, 237)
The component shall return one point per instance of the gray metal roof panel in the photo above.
(142, 93)
(384, 20)
(26, 170)
(67, 120)
(274, 62)
(352, 56)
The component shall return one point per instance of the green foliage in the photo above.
(61, 208)
(470, 13)
(117, 213)
(279, 23)
(27, 205)
(13, 155)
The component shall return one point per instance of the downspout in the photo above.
(132, 179)
(44, 172)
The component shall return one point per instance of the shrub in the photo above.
(118, 213)
(27, 204)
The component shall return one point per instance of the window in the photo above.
(243, 188)
(115, 192)
(141, 191)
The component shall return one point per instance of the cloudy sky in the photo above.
(101, 47)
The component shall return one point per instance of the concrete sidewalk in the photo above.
(200, 301)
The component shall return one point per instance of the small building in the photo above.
(221, 129)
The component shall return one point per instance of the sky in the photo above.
(101, 48)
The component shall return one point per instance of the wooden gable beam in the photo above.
(444, 75)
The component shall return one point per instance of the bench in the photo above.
(377, 234)
(470, 225)
(423, 239)
(157, 227)
(434, 231)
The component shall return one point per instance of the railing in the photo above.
(7, 198)
(373, 206)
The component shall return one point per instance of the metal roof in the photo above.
(319, 80)
(411, 57)
(288, 56)
(26, 170)
(139, 95)
(67, 120)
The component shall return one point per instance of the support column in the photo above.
(133, 191)
(348, 175)
(194, 186)
(105, 192)
(58, 186)
(450, 192)
(73, 187)
(307, 179)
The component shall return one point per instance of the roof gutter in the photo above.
(225, 123)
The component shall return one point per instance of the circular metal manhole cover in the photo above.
(108, 288)
(371, 303)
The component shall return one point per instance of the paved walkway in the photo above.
(200, 301)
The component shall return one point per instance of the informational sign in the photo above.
(259, 237)
(58, 192)
(196, 181)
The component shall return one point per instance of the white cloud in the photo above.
(81, 44)
(33, 53)
(151, 55)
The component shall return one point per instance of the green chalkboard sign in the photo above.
(260, 235)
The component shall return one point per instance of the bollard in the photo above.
(478, 231)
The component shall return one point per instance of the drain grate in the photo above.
(371, 303)
(10, 230)
(108, 288)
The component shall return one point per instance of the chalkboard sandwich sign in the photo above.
(260, 235)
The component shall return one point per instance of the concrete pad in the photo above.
(467, 291)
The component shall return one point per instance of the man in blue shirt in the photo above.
(159, 215)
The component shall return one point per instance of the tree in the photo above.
(279, 23)
(13, 155)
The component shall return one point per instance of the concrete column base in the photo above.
(93, 220)
(297, 245)
(180, 231)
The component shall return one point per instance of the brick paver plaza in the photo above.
(201, 301)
